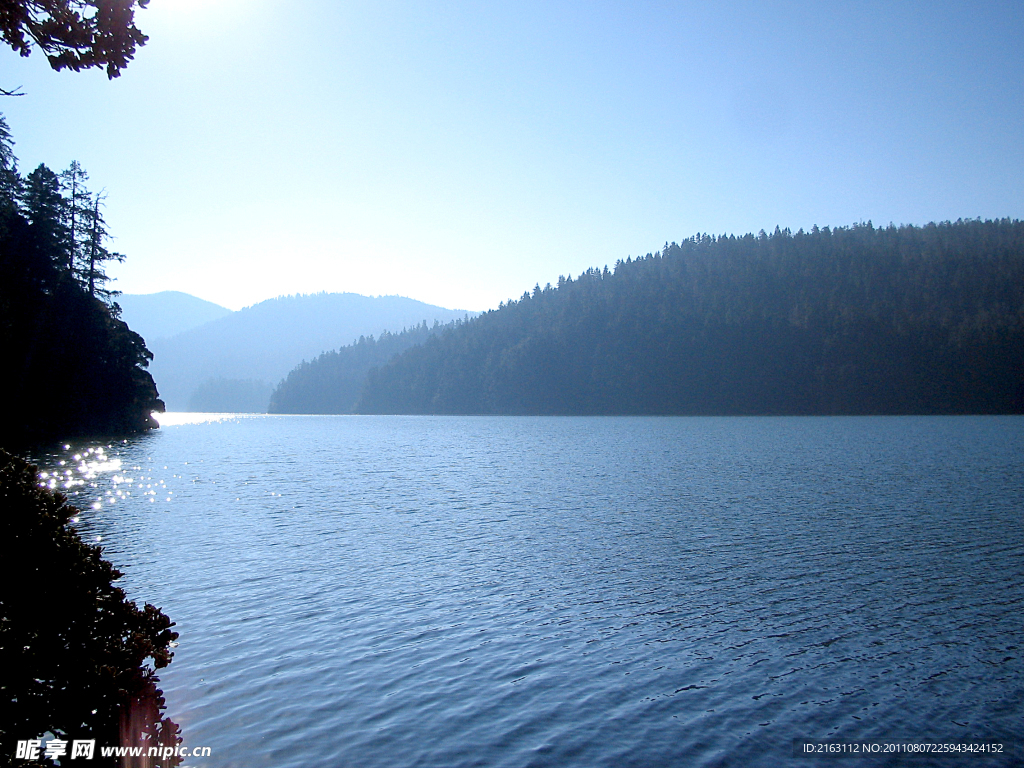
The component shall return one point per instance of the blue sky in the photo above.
(459, 153)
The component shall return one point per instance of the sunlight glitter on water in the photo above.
(180, 418)
(94, 468)
(79, 469)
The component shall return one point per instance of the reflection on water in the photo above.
(382, 591)
(179, 418)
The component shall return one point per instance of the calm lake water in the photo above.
(443, 591)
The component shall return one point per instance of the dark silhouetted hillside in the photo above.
(70, 365)
(858, 320)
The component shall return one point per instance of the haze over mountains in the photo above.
(168, 313)
(208, 358)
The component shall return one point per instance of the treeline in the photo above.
(333, 382)
(852, 320)
(71, 366)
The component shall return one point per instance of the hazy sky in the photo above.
(461, 152)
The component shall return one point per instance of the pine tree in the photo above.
(96, 252)
(43, 206)
(78, 206)
(10, 181)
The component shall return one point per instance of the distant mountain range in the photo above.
(157, 315)
(208, 358)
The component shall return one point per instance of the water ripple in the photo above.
(372, 591)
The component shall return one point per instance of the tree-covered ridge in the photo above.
(72, 366)
(852, 320)
(333, 382)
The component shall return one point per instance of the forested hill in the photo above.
(70, 365)
(853, 320)
(333, 382)
(231, 363)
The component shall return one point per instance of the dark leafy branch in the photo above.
(74, 34)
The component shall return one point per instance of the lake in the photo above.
(503, 591)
